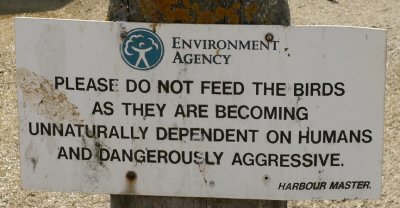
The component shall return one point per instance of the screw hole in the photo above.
(269, 37)
(212, 183)
(266, 179)
(131, 175)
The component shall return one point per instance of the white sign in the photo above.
(232, 111)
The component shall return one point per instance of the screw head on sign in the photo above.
(131, 175)
(269, 37)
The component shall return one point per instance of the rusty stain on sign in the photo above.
(154, 26)
(131, 179)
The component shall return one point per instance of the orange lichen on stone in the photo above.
(220, 12)
(186, 3)
(195, 7)
(236, 5)
(181, 15)
(249, 12)
(205, 17)
(158, 11)
(191, 11)
(232, 17)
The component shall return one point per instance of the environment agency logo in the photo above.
(142, 49)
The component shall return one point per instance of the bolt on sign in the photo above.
(230, 111)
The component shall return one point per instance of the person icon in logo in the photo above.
(142, 49)
(142, 52)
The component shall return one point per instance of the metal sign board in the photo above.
(231, 111)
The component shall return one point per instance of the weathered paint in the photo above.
(41, 96)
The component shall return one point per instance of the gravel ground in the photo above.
(366, 13)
